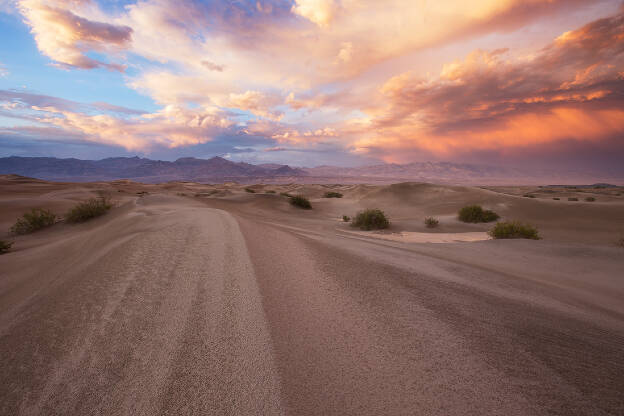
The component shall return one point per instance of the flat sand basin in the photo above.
(416, 237)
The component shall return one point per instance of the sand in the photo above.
(206, 299)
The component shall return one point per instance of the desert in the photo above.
(312, 207)
(189, 298)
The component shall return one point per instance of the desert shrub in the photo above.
(590, 199)
(514, 230)
(431, 222)
(333, 195)
(301, 202)
(474, 213)
(620, 242)
(34, 220)
(286, 194)
(88, 209)
(528, 196)
(346, 218)
(370, 219)
(251, 191)
(141, 193)
(556, 199)
(5, 246)
(572, 199)
(270, 192)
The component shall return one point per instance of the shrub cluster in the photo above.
(370, 219)
(346, 218)
(431, 222)
(572, 199)
(34, 220)
(88, 209)
(301, 202)
(251, 191)
(514, 230)
(5, 246)
(590, 199)
(528, 196)
(556, 199)
(286, 194)
(333, 195)
(270, 191)
(474, 213)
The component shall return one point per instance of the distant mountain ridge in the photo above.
(218, 169)
(187, 168)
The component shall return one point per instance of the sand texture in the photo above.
(190, 299)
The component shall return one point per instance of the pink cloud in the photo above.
(66, 37)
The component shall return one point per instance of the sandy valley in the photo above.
(189, 298)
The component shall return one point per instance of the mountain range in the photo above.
(218, 169)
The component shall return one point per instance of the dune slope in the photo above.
(241, 304)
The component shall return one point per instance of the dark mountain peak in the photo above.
(286, 170)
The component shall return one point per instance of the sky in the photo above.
(530, 83)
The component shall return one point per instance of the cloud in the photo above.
(571, 89)
(320, 12)
(67, 37)
(309, 72)
(257, 103)
(212, 66)
(4, 72)
(170, 127)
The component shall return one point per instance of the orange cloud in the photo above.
(572, 89)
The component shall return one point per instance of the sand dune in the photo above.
(206, 299)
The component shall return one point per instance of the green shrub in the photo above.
(346, 218)
(5, 246)
(251, 191)
(34, 220)
(301, 202)
(370, 219)
(88, 209)
(572, 199)
(556, 199)
(431, 222)
(474, 213)
(333, 195)
(286, 194)
(270, 192)
(590, 199)
(514, 230)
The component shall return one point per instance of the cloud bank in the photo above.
(352, 76)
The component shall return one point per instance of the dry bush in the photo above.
(5, 246)
(88, 209)
(431, 222)
(300, 202)
(514, 229)
(370, 219)
(34, 220)
(474, 214)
